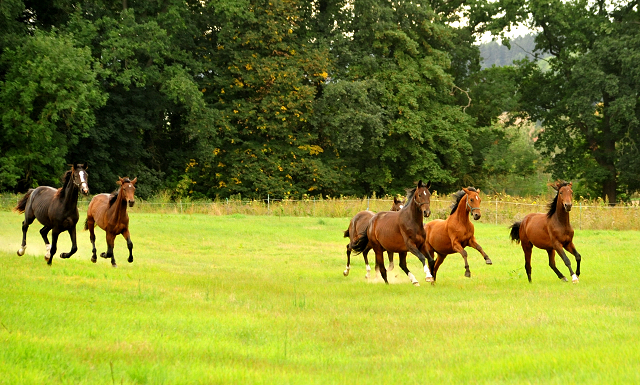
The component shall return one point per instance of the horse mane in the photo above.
(410, 194)
(554, 203)
(457, 197)
(65, 179)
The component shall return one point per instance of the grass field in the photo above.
(259, 299)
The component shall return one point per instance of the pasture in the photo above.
(262, 299)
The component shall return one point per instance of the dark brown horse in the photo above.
(359, 223)
(109, 211)
(400, 232)
(551, 232)
(55, 209)
(456, 232)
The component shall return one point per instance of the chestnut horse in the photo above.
(357, 224)
(55, 209)
(456, 232)
(551, 232)
(109, 211)
(400, 232)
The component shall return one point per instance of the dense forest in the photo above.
(334, 97)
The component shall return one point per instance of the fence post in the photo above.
(367, 203)
(580, 225)
(496, 211)
(268, 204)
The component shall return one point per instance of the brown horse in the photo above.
(109, 211)
(400, 232)
(456, 232)
(551, 232)
(55, 209)
(357, 224)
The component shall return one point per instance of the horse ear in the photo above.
(570, 184)
(134, 180)
(466, 190)
(420, 184)
(119, 181)
(396, 200)
(429, 184)
(478, 191)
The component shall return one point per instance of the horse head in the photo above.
(128, 188)
(565, 194)
(422, 197)
(398, 204)
(473, 202)
(80, 177)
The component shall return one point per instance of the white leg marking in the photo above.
(429, 277)
(413, 279)
(48, 253)
(574, 278)
(346, 271)
(22, 249)
(368, 272)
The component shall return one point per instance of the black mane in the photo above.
(410, 194)
(554, 203)
(114, 195)
(457, 197)
(65, 180)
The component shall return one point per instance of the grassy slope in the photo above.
(263, 300)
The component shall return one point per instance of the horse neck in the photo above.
(561, 215)
(120, 205)
(71, 192)
(461, 214)
(413, 210)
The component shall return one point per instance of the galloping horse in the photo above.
(109, 211)
(551, 232)
(55, 209)
(399, 232)
(456, 232)
(357, 224)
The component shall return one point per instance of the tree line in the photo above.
(332, 97)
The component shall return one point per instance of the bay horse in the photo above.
(55, 209)
(452, 235)
(357, 224)
(109, 211)
(400, 232)
(551, 232)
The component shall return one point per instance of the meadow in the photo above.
(262, 299)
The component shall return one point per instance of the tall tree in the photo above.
(588, 100)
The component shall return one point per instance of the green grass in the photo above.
(257, 299)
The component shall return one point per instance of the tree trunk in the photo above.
(609, 191)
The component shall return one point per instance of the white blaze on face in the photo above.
(401, 206)
(83, 181)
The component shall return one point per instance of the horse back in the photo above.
(358, 224)
(40, 203)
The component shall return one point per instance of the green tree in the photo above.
(47, 102)
(588, 100)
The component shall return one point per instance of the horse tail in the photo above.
(515, 232)
(346, 233)
(361, 244)
(22, 204)
(86, 224)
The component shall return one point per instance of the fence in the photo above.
(585, 214)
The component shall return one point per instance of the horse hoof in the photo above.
(94, 259)
(130, 260)
(21, 252)
(416, 283)
(429, 279)
(574, 279)
(64, 256)
(49, 260)
(114, 265)
(488, 261)
(103, 255)
(564, 279)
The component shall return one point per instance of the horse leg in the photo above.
(127, 236)
(390, 256)
(572, 249)
(109, 254)
(403, 266)
(380, 263)
(346, 271)
(552, 264)
(558, 247)
(92, 236)
(458, 248)
(439, 259)
(25, 227)
(366, 262)
(43, 233)
(527, 248)
(74, 244)
(54, 246)
(420, 254)
(473, 243)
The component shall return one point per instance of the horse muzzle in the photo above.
(426, 213)
(567, 207)
(476, 216)
(131, 203)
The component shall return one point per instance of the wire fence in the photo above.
(594, 215)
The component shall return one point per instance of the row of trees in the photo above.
(292, 97)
